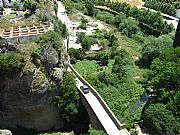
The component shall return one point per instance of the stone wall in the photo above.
(94, 121)
(19, 40)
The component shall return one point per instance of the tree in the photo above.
(174, 105)
(167, 8)
(1, 8)
(80, 37)
(59, 27)
(56, 9)
(153, 47)
(163, 77)
(35, 53)
(83, 23)
(77, 53)
(118, 19)
(129, 27)
(82, 26)
(10, 64)
(52, 38)
(176, 42)
(68, 100)
(64, 31)
(73, 60)
(161, 119)
(90, 8)
(68, 4)
(103, 56)
(31, 5)
(86, 42)
(122, 60)
(152, 20)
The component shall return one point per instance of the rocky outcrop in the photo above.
(21, 106)
(26, 99)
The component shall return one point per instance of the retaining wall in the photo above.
(19, 40)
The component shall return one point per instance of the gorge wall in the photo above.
(26, 100)
(21, 107)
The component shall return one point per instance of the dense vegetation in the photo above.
(151, 19)
(59, 27)
(162, 83)
(167, 8)
(31, 5)
(114, 78)
(72, 111)
(68, 99)
(10, 64)
(153, 47)
(114, 82)
(113, 71)
(51, 38)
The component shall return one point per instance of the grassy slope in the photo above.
(90, 67)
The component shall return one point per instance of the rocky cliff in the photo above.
(26, 98)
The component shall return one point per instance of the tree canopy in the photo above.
(161, 119)
(153, 47)
(162, 83)
(163, 76)
(10, 63)
(90, 8)
(51, 38)
(68, 99)
(129, 27)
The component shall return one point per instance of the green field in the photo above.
(91, 67)
(87, 67)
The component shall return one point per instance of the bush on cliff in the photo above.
(10, 63)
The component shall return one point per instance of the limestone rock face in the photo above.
(50, 58)
(26, 100)
(20, 106)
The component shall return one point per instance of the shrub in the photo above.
(10, 63)
(35, 53)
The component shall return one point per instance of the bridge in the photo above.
(95, 105)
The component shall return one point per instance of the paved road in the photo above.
(62, 15)
(101, 114)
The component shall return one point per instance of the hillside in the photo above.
(132, 2)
